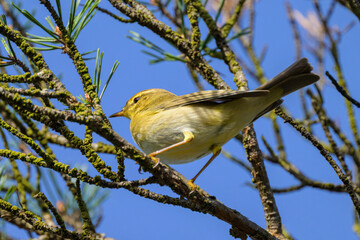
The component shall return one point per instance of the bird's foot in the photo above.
(192, 185)
(155, 159)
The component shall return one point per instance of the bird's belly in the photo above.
(199, 147)
(207, 134)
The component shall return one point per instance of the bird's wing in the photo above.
(211, 97)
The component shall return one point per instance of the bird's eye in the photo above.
(136, 99)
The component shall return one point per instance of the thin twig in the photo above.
(342, 91)
(294, 29)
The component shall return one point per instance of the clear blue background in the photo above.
(306, 214)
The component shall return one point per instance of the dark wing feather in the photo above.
(212, 96)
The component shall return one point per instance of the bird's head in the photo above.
(145, 101)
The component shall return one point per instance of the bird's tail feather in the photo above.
(296, 76)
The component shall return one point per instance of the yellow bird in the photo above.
(181, 129)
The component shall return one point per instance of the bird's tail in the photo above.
(296, 76)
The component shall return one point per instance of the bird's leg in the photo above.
(188, 137)
(216, 151)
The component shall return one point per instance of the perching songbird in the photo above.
(180, 129)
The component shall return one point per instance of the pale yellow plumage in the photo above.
(200, 123)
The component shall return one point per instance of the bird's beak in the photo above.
(118, 114)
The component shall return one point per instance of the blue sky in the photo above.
(306, 214)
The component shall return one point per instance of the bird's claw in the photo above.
(156, 160)
(192, 185)
(157, 164)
